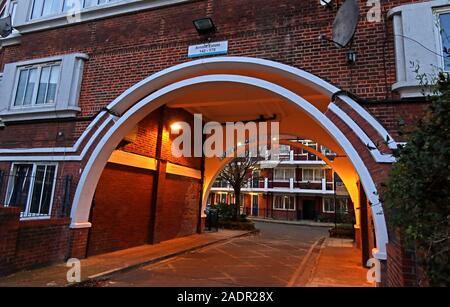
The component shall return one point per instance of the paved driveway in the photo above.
(275, 257)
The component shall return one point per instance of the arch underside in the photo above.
(235, 89)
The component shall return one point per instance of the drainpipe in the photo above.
(202, 186)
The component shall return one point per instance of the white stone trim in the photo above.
(67, 92)
(25, 25)
(92, 171)
(376, 154)
(63, 157)
(370, 119)
(418, 44)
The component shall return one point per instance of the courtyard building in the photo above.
(89, 92)
(299, 187)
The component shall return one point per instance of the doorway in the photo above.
(309, 211)
(255, 206)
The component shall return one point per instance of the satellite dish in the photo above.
(345, 24)
(5, 26)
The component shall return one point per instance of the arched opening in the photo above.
(232, 89)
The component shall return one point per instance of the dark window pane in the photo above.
(21, 186)
(48, 189)
(23, 77)
(445, 35)
(37, 189)
(43, 84)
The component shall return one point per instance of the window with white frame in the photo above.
(283, 174)
(31, 187)
(313, 174)
(284, 202)
(36, 85)
(326, 151)
(45, 8)
(444, 30)
(42, 88)
(329, 205)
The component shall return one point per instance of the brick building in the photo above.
(87, 99)
(300, 187)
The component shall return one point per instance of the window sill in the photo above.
(34, 218)
(93, 13)
(409, 89)
(34, 113)
(289, 210)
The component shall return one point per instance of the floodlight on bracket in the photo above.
(327, 3)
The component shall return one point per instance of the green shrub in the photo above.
(417, 194)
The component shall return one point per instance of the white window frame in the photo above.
(26, 215)
(36, 88)
(284, 174)
(61, 9)
(283, 197)
(314, 175)
(68, 90)
(323, 205)
(436, 14)
(338, 199)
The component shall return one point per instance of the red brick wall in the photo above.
(178, 213)
(282, 30)
(401, 269)
(121, 210)
(42, 242)
(9, 230)
(398, 117)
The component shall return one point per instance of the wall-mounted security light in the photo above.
(204, 26)
(327, 3)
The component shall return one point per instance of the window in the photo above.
(329, 207)
(313, 175)
(37, 85)
(326, 151)
(284, 202)
(283, 174)
(31, 187)
(285, 152)
(44, 8)
(255, 179)
(223, 198)
(342, 205)
(42, 88)
(444, 29)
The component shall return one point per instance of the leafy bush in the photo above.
(226, 212)
(417, 194)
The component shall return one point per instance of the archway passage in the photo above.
(231, 89)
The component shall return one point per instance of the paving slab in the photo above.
(106, 264)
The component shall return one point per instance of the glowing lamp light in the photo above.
(175, 127)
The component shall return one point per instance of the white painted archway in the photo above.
(121, 126)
